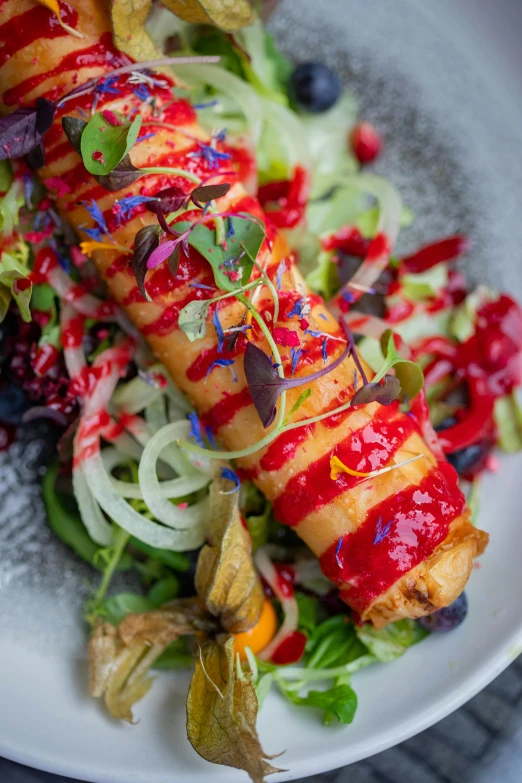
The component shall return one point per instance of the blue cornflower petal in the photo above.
(296, 309)
(295, 353)
(281, 269)
(207, 105)
(219, 330)
(231, 475)
(92, 233)
(338, 552)
(324, 353)
(141, 91)
(380, 531)
(210, 437)
(195, 429)
(220, 363)
(147, 136)
(97, 215)
(106, 86)
(129, 203)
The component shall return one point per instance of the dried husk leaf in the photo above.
(128, 24)
(222, 713)
(226, 579)
(220, 13)
(120, 658)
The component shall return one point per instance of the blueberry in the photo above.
(314, 87)
(469, 459)
(12, 403)
(448, 422)
(448, 618)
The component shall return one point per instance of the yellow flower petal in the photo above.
(91, 246)
(337, 467)
(54, 7)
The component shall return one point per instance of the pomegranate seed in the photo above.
(46, 357)
(7, 435)
(365, 142)
(21, 284)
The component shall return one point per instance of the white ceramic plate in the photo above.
(439, 80)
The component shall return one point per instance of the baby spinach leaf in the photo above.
(340, 700)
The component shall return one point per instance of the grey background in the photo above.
(473, 182)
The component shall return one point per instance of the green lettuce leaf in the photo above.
(391, 642)
(508, 418)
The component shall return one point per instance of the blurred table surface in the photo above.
(480, 743)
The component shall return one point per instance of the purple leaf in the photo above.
(24, 129)
(206, 193)
(173, 261)
(146, 240)
(168, 200)
(377, 392)
(161, 253)
(266, 386)
(36, 158)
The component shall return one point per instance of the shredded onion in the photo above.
(126, 517)
(134, 396)
(159, 505)
(246, 98)
(173, 488)
(97, 526)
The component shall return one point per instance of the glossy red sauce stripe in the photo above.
(372, 560)
(38, 22)
(284, 448)
(368, 448)
(224, 411)
(101, 53)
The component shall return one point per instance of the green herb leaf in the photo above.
(333, 643)
(10, 206)
(163, 590)
(119, 606)
(193, 319)
(508, 418)
(123, 175)
(408, 373)
(67, 525)
(297, 404)
(6, 176)
(307, 612)
(391, 642)
(13, 268)
(247, 234)
(340, 700)
(103, 145)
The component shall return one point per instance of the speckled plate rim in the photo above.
(494, 655)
